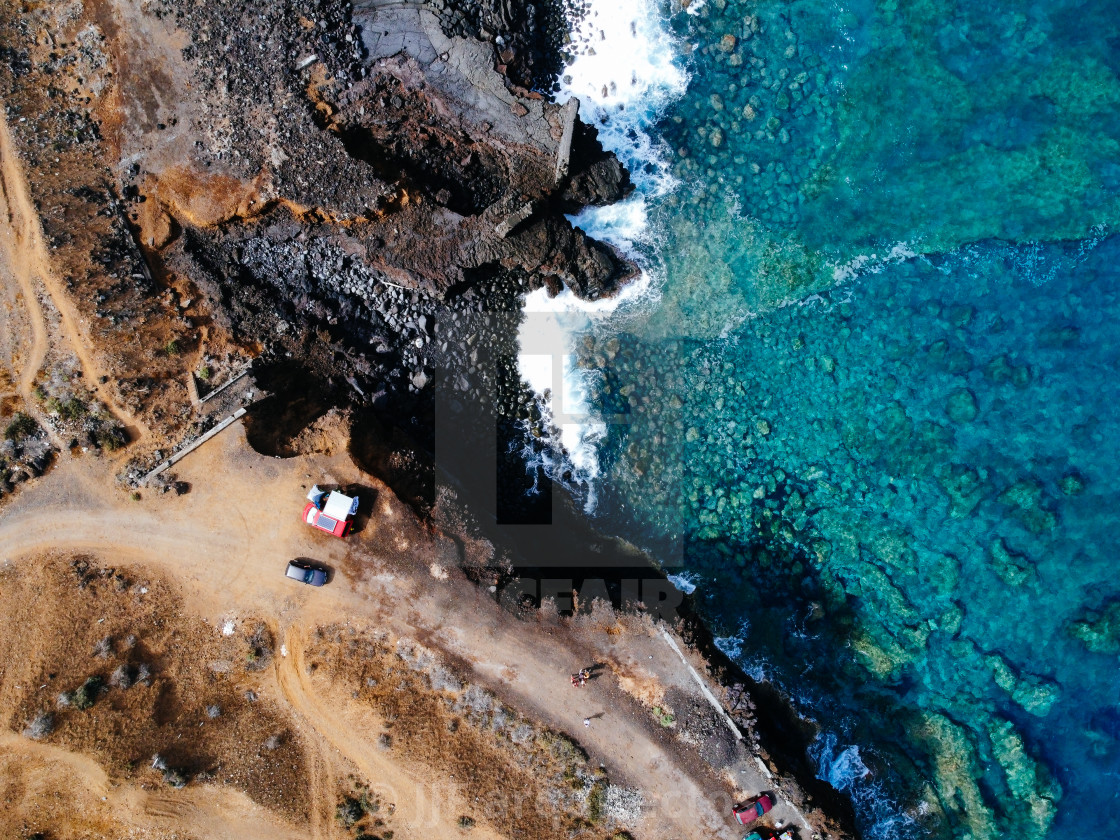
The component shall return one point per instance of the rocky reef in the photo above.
(863, 502)
(1099, 630)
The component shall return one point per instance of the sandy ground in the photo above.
(227, 541)
(31, 277)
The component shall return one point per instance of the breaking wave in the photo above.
(625, 72)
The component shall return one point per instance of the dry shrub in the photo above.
(123, 703)
(531, 781)
(640, 684)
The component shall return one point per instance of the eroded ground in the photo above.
(219, 182)
(154, 643)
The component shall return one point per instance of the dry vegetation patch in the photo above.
(64, 87)
(525, 780)
(105, 662)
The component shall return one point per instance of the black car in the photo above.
(306, 572)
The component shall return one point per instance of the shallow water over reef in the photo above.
(872, 415)
(892, 500)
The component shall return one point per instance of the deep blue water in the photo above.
(876, 407)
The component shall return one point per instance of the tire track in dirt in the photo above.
(13, 234)
(29, 262)
(679, 806)
(420, 808)
(212, 811)
(199, 540)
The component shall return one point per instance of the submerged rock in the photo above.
(1028, 781)
(965, 488)
(1099, 630)
(1072, 484)
(1013, 568)
(1024, 499)
(1034, 694)
(956, 770)
(961, 406)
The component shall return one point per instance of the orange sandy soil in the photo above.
(117, 81)
(321, 695)
(197, 581)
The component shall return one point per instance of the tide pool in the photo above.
(870, 407)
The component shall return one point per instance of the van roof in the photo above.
(340, 506)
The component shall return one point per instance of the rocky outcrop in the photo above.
(294, 177)
(374, 118)
(386, 168)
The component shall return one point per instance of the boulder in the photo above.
(1099, 630)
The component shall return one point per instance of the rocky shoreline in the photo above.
(354, 197)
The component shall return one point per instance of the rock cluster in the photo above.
(414, 176)
(769, 85)
(1099, 630)
(529, 38)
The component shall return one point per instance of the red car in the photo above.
(747, 814)
(330, 512)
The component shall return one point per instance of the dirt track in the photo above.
(223, 547)
(228, 540)
(226, 543)
(29, 265)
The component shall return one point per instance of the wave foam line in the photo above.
(547, 338)
(626, 72)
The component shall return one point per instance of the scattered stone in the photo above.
(1099, 630)
(961, 406)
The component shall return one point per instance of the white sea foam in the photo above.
(547, 340)
(844, 769)
(624, 72)
(732, 646)
(683, 583)
(841, 768)
(624, 224)
(872, 263)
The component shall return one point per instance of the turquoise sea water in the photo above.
(877, 400)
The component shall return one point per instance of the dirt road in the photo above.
(28, 264)
(228, 540)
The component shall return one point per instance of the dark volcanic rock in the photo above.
(373, 117)
(323, 183)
